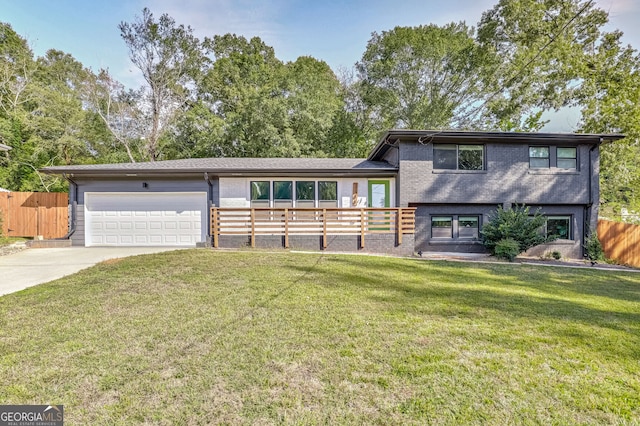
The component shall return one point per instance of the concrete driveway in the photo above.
(36, 266)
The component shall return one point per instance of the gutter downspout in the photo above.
(209, 205)
(74, 207)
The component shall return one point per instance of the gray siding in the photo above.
(131, 185)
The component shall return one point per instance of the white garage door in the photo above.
(145, 219)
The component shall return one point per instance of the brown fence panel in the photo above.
(28, 214)
(620, 241)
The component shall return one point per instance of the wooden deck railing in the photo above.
(311, 221)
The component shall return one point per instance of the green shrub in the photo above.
(556, 255)
(593, 248)
(516, 223)
(507, 248)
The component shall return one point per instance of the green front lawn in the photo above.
(201, 337)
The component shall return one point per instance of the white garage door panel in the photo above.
(145, 219)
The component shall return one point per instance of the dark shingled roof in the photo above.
(232, 165)
(290, 166)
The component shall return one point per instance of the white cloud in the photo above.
(210, 17)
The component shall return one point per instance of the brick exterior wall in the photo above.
(423, 241)
(507, 179)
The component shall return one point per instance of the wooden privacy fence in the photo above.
(311, 221)
(28, 214)
(620, 241)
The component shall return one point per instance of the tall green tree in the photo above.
(59, 120)
(543, 46)
(353, 133)
(41, 113)
(171, 60)
(245, 89)
(17, 69)
(423, 77)
(251, 104)
(314, 99)
(610, 99)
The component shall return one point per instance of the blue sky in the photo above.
(331, 30)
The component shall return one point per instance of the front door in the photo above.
(378, 193)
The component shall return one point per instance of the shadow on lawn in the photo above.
(553, 281)
(448, 291)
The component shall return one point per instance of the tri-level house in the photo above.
(419, 190)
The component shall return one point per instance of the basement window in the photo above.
(559, 227)
(455, 227)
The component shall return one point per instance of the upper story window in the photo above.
(567, 158)
(544, 157)
(539, 157)
(458, 157)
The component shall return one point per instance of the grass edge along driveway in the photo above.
(202, 337)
